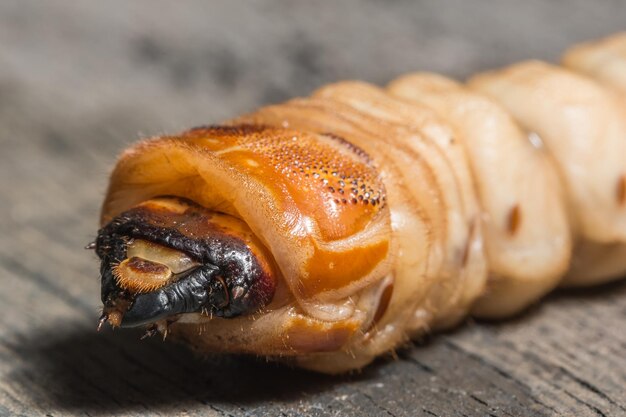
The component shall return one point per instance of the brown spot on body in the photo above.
(470, 238)
(383, 304)
(514, 219)
(621, 190)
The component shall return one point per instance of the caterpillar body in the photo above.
(330, 229)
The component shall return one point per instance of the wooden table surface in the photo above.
(81, 80)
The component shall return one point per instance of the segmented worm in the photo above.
(330, 229)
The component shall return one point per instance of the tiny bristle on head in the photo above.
(103, 318)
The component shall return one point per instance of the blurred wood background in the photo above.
(81, 80)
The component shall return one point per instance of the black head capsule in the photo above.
(199, 290)
(169, 256)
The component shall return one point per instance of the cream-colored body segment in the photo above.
(463, 272)
(603, 60)
(491, 194)
(439, 268)
(525, 228)
(583, 126)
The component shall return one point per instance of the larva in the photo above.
(330, 229)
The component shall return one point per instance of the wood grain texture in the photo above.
(79, 81)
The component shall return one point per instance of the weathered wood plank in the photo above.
(78, 81)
